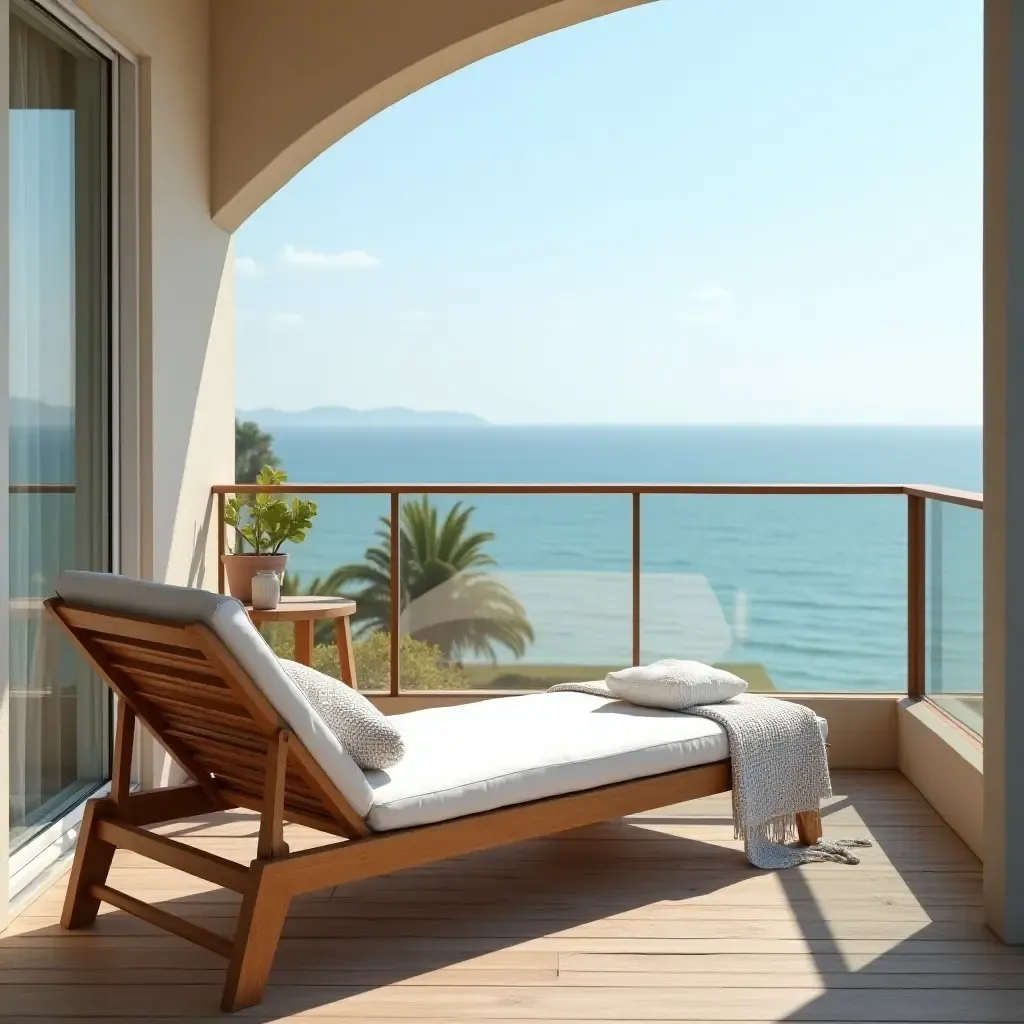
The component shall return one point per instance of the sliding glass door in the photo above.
(61, 415)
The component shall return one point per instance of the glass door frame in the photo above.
(23, 871)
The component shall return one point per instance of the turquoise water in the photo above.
(813, 589)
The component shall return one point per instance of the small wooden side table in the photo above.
(304, 612)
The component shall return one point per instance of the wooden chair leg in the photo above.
(346, 658)
(93, 858)
(808, 827)
(304, 641)
(264, 909)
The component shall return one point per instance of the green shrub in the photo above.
(422, 665)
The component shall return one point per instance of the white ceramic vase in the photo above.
(266, 590)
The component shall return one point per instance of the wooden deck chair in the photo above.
(191, 666)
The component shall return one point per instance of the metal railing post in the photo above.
(396, 588)
(636, 577)
(222, 539)
(916, 595)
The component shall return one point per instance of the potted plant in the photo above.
(263, 522)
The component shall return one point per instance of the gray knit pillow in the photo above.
(366, 734)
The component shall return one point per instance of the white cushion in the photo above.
(368, 736)
(674, 685)
(510, 750)
(228, 619)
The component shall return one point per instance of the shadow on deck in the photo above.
(656, 917)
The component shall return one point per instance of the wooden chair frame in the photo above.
(190, 691)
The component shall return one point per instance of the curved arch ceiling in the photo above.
(289, 80)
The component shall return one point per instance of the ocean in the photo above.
(808, 592)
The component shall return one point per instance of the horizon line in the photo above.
(640, 423)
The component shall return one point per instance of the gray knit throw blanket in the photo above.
(779, 767)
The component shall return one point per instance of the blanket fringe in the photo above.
(835, 850)
(771, 846)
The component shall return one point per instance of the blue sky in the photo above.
(696, 211)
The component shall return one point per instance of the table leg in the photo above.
(304, 641)
(346, 658)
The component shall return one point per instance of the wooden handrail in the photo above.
(950, 495)
(40, 488)
(916, 495)
(972, 499)
(561, 488)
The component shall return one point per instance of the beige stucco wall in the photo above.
(945, 763)
(290, 79)
(186, 360)
(187, 280)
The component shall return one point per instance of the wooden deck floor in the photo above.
(656, 917)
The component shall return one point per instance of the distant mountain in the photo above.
(31, 413)
(340, 416)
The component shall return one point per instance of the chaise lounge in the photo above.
(193, 668)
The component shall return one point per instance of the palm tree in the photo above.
(476, 610)
(253, 450)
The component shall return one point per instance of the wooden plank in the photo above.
(812, 1003)
(196, 734)
(565, 914)
(192, 662)
(293, 812)
(457, 978)
(354, 950)
(385, 852)
(123, 626)
(625, 930)
(150, 955)
(149, 914)
(784, 964)
(605, 922)
(200, 714)
(174, 855)
(153, 686)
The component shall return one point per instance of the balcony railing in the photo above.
(937, 630)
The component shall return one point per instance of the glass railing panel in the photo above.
(953, 611)
(340, 557)
(514, 591)
(792, 592)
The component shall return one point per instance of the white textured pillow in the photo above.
(674, 685)
(366, 734)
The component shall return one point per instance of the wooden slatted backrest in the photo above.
(204, 708)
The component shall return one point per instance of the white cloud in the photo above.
(246, 266)
(288, 321)
(347, 259)
(708, 306)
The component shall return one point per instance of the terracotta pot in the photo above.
(240, 569)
